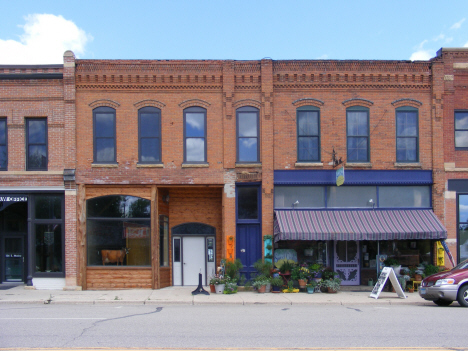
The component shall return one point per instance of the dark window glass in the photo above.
(404, 196)
(3, 144)
(48, 206)
(150, 135)
(247, 133)
(36, 144)
(308, 136)
(195, 134)
(358, 136)
(104, 135)
(247, 203)
(211, 249)
(119, 206)
(407, 136)
(463, 227)
(49, 248)
(461, 129)
(176, 250)
(193, 228)
(350, 196)
(307, 196)
(163, 241)
(119, 231)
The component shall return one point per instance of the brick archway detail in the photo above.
(357, 102)
(308, 102)
(247, 102)
(149, 102)
(407, 102)
(194, 102)
(104, 102)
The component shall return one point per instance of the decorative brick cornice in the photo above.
(104, 102)
(407, 102)
(194, 102)
(149, 102)
(247, 102)
(357, 102)
(360, 86)
(308, 101)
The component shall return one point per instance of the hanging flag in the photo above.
(340, 176)
(444, 244)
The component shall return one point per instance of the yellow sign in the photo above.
(340, 176)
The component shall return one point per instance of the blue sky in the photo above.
(33, 32)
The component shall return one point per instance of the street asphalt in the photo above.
(183, 295)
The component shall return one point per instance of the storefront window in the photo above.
(307, 196)
(407, 252)
(48, 206)
(163, 241)
(119, 231)
(463, 227)
(350, 196)
(49, 248)
(404, 196)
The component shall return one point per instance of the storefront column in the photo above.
(31, 241)
(70, 238)
(228, 248)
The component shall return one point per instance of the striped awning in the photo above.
(357, 225)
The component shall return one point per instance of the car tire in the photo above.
(440, 302)
(462, 296)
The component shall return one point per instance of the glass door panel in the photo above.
(14, 259)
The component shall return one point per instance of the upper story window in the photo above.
(407, 134)
(195, 135)
(149, 133)
(36, 144)
(104, 135)
(308, 134)
(3, 144)
(247, 134)
(357, 126)
(461, 130)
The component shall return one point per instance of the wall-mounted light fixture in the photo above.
(371, 202)
(295, 204)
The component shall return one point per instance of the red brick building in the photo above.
(37, 162)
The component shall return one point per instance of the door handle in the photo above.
(242, 250)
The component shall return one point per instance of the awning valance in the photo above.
(357, 225)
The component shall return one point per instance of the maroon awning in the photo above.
(357, 225)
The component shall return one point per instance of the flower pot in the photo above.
(268, 288)
(310, 290)
(219, 288)
(212, 288)
(411, 290)
(418, 277)
(331, 291)
(275, 289)
(370, 282)
(262, 289)
(302, 283)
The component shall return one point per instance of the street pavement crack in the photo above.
(158, 309)
(355, 309)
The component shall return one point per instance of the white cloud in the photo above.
(458, 24)
(466, 45)
(323, 57)
(422, 55)
(46, 37)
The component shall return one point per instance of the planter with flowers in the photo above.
(332, 285)
(261, 283)
(300, 274)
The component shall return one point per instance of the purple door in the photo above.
(248, 247)
(347, 262)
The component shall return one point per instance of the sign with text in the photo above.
(340, 176)
(387, 272)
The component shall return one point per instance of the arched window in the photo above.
(357, 132)
(104, 135)
(308, 134)
(407, 145)
(248, 148)
(118, 229)
(149, 135)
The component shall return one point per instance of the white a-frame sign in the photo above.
(386, 273)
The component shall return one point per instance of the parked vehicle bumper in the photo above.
(442, 292)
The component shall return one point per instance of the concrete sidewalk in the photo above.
(183, 295)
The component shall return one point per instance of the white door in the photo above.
(193, 259)
(347, 262)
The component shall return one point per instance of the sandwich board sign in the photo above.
(387, 272)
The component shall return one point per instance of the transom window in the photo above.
(461, 129)
(195, 135)
(149, 132)
(3, 144)
(36, 144)
(247, 134)
(407, 134)
(104, 135)
(357, 125)
(462, 227)
(308, 134)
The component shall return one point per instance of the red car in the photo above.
(445, 287)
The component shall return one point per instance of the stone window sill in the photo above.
(104, 165)
(248, 165)
(358, 165)
(150, 165)
(408, 165)
(308, 164)
(195, 165)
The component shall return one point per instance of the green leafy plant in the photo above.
(277, 281)
(299, 273)
(267, 237)
(264, 267)
(332, 284)
(315, 269)
(328, 273)
(260, 282)
(230, 288)
(430, 270)
(287, 266)
(389, 262)
(232, 269)
(312, 284)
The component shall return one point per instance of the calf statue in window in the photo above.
(111, 256)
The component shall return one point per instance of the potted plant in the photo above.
(232, 269)
(300, 274)
(315, 271)
(332, 285)
(290, 288)
(219, 283)
(328, 273)
(430, 270)
(260, 284)
(394, 263)
(213, 281)
(276, 284)
(311, 286)
(410, 288)
(230, 287)
(286, 267)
